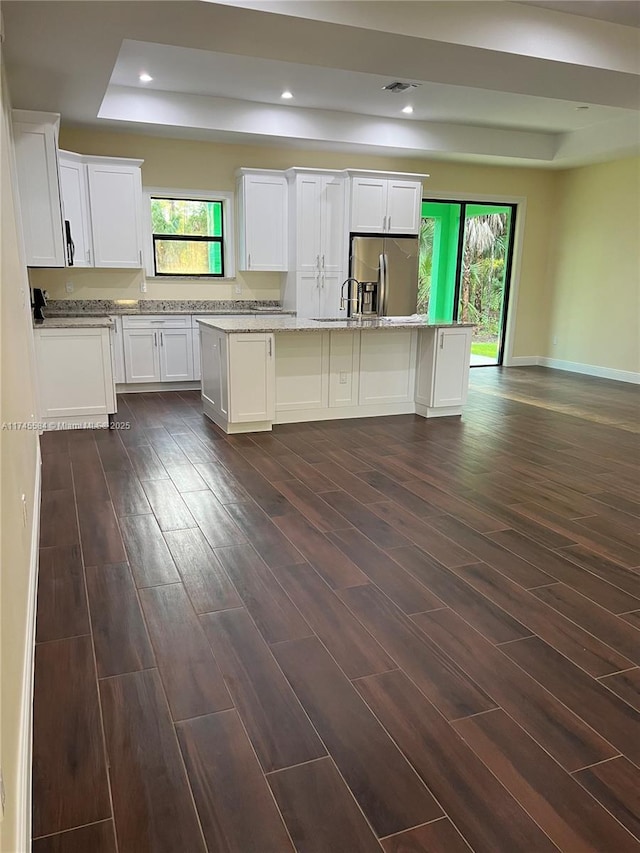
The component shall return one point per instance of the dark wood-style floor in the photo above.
(392, 634)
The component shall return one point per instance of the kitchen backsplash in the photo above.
(57, 307)
(114, 284)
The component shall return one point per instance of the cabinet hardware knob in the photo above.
(384, 223)
(249, 261)
(155, 339)
(161, 339)
(389, 224)
(441, 340)
(270, 348)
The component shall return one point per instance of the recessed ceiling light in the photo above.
(582, 108)
(287, 95)
(145, 78)
(408, 110)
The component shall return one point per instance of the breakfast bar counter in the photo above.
(259, 371)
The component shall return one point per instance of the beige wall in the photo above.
(594, 309)
(203, 165)
(18, 468)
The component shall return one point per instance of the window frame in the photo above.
(228, 245)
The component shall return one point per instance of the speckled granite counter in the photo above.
(94, 307)
(298, 324)
(74, 323)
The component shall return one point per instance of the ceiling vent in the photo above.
(397, 86)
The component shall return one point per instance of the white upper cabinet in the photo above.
(369, 205)
(262, 223)
(75, 209)
(319, 222)
(308, 191)
(385, 205)
(333, 244)
(404, 207)
(36, 147)
(115, 195)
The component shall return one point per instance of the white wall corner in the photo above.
(23, 793)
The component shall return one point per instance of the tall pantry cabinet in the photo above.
(317, 241)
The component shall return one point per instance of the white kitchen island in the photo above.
(257, 372)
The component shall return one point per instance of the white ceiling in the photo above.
(500, 81)
(625, 12)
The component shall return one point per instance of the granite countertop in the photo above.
(298, 324)
(102, 307)
(88, 322)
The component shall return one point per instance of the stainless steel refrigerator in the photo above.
(392, 262)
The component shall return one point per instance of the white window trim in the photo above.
(228, 231)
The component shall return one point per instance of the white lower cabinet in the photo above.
(176, 355)
(142, 362)
(318, 294)
(117, 350)
(251, 378)
(238, 379)
(75, 377)
(443, 369)
(158, 349)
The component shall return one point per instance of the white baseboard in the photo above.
(575, 367)
(23, 793)
(590, 370)
(523, 361)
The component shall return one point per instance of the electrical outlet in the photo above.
(343, 377)
(143, 286)
(23, 498)
(69, 287)
(238, 290)
(555, 340)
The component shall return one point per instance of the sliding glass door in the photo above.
(466, 250)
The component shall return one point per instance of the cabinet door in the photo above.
(115, 197)
(117, 350)
(38, 186)
(75, 205)
(451, 378)
(251, 378)
(368, 205)
(263, 231)
(195, 341)
(308, 213)
(74, 372)
(141, 359)
(214, 370)
(404, 205)
(333, 243)
(308, 294)
(330, 286)
(176, 355)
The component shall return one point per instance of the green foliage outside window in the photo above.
(187, 237)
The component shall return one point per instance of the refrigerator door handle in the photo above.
(382, 304)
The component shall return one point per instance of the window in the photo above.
(188, 234)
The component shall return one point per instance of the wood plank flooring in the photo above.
(340, 637)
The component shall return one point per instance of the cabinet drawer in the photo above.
(157, 321)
